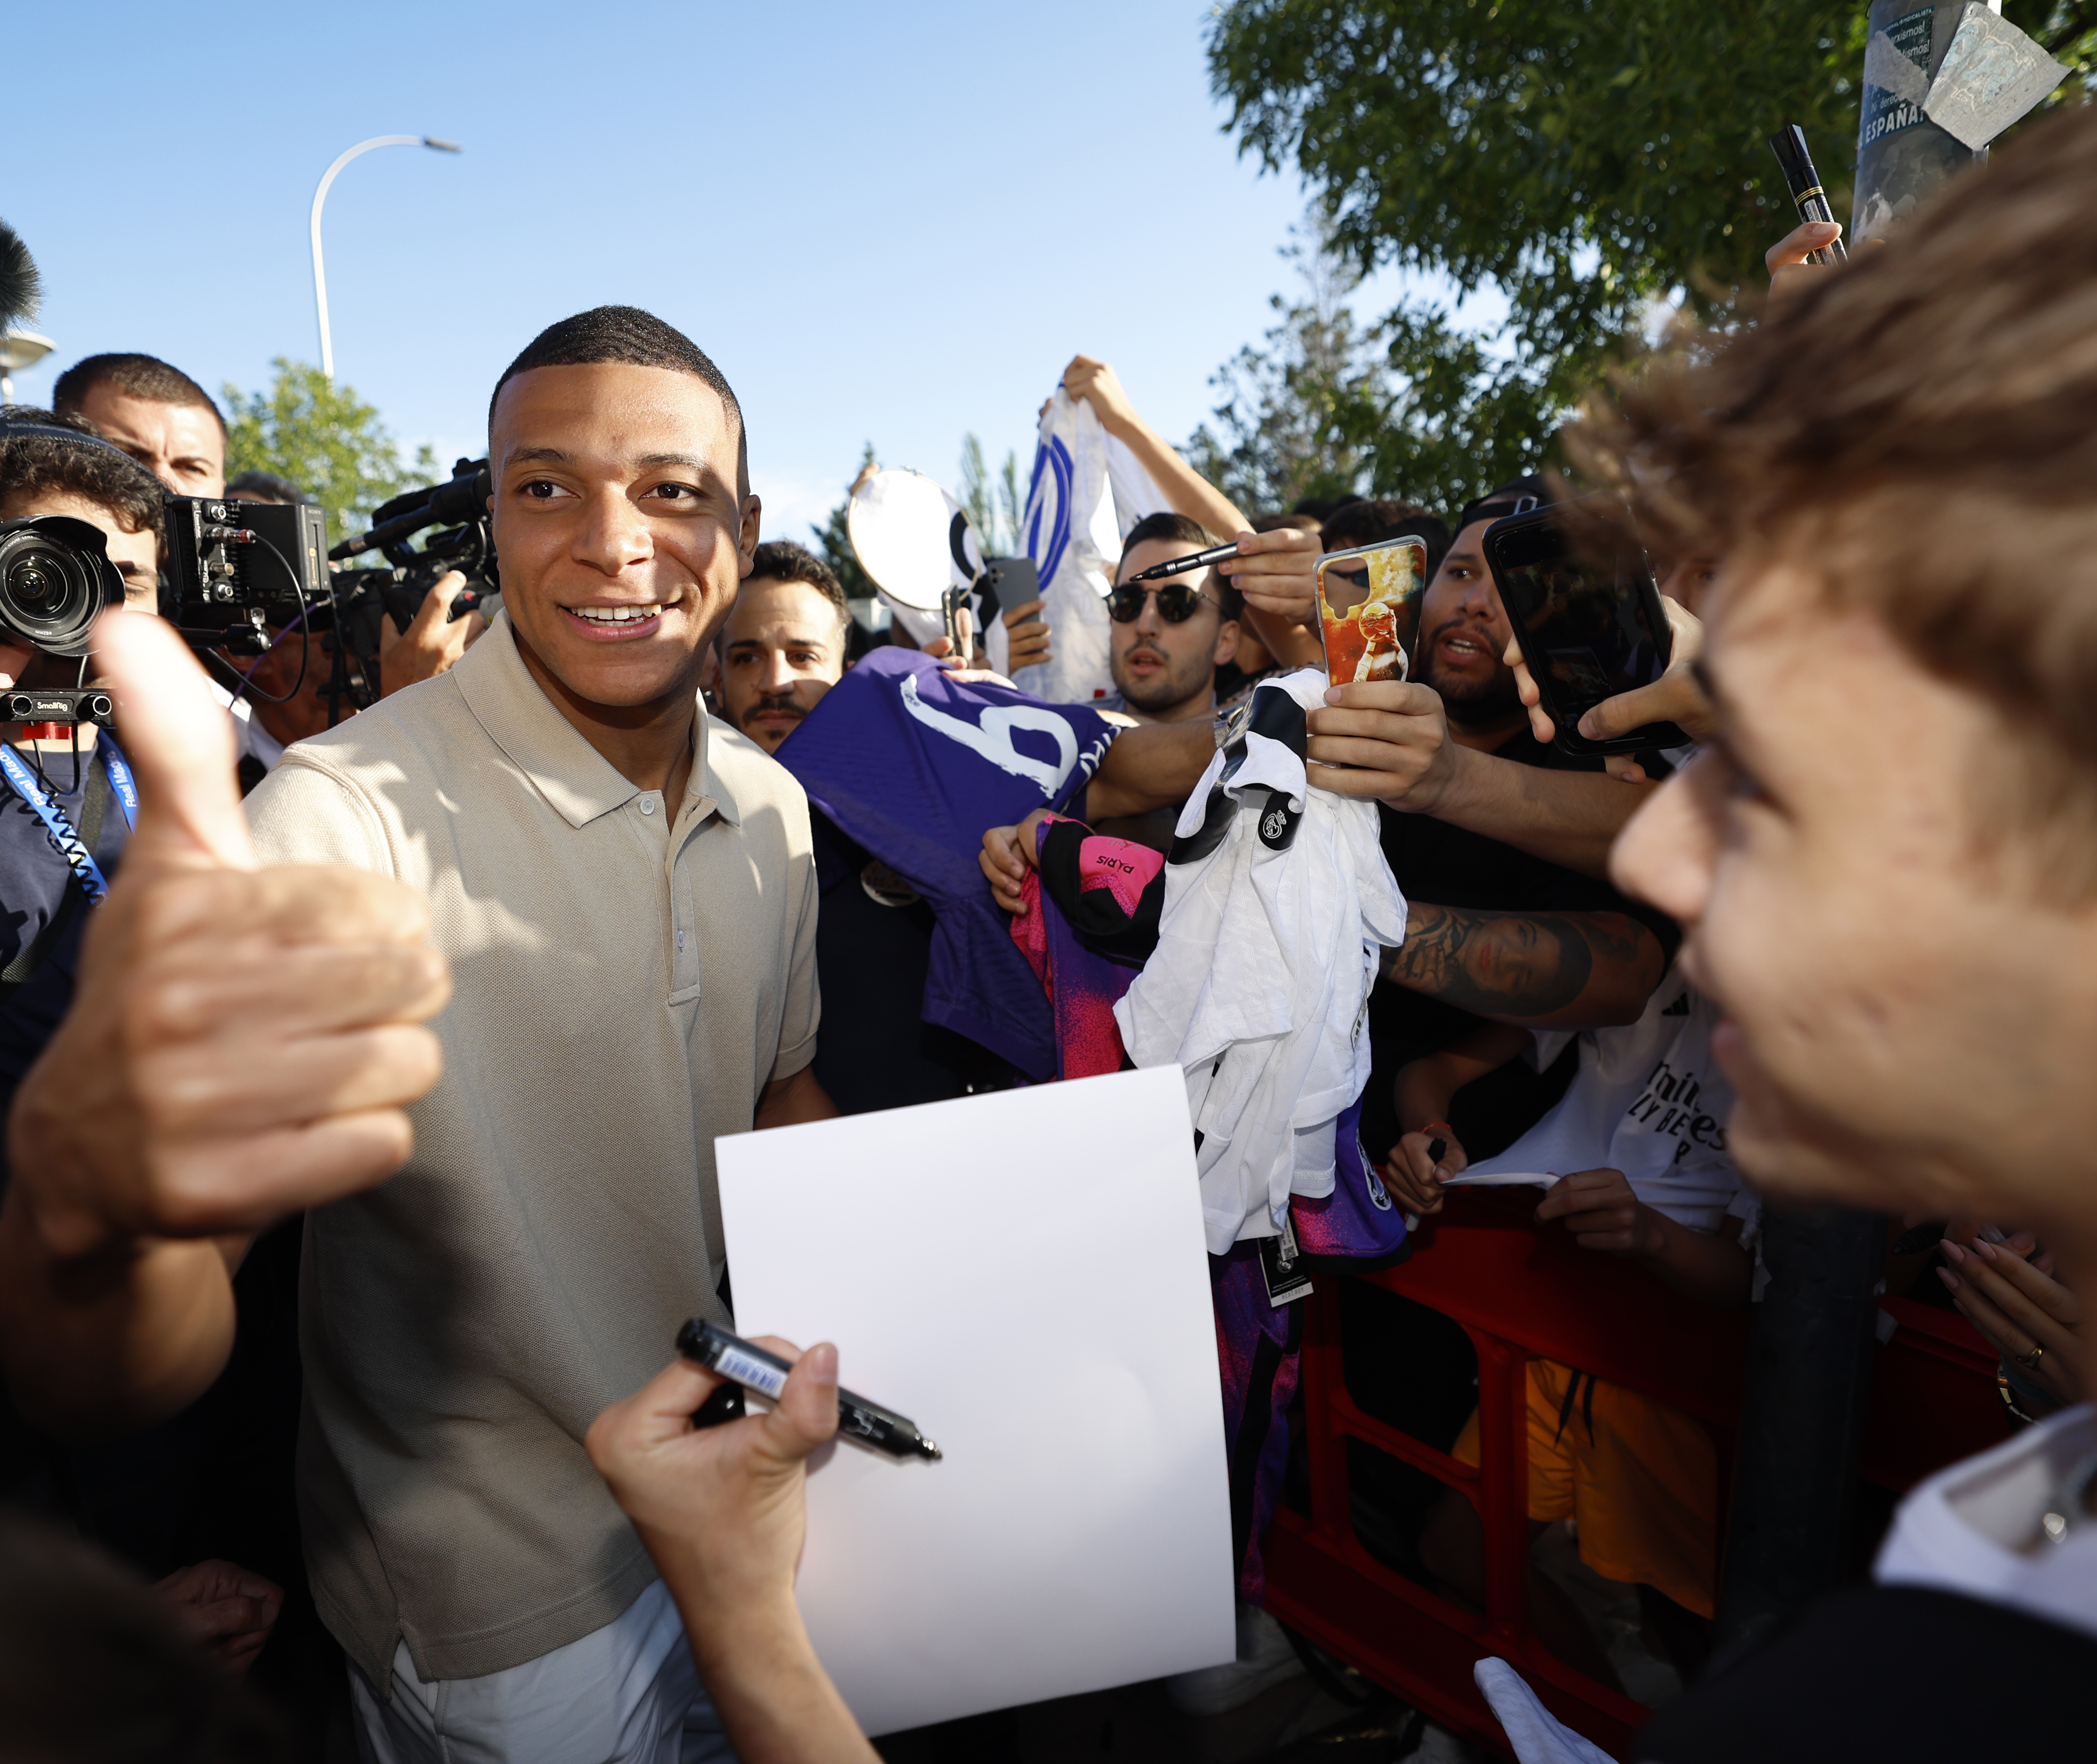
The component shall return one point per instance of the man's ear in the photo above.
(753, 512)
(1227, 643)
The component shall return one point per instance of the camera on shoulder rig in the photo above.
(463, 538)
(237, 576)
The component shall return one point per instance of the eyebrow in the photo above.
(555, 456)
(792, 640)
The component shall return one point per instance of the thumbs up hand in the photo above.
(243, 1041)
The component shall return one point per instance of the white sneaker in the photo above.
(1264, 1659)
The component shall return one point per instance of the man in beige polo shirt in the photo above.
(625, 892)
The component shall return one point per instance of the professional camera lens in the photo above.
(54, 578)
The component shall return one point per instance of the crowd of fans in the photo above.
(359, 1163)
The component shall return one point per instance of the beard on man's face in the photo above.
(1477, 700)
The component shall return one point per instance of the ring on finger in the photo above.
(2030, 1361)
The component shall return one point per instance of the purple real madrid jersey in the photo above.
(913, 765)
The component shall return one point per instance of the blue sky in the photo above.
(890, 224)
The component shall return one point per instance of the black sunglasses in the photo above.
(1176, 601)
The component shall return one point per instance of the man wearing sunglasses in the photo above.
(1169, 636)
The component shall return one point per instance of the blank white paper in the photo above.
(1024, 1276)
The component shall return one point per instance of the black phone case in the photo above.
(1653, 735)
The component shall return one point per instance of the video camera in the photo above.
(232, 570)
(235, 573)
(464, 540)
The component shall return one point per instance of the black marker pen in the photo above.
(1788, 144)
(1178, 566)
(746, 1364)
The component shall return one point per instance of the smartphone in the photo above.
(1589, 627)
(1368, 608)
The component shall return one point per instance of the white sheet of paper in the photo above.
(1496, 1179)
(1023, 1275)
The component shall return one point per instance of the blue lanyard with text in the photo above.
(57, 825)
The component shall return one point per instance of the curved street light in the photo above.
(320, 196)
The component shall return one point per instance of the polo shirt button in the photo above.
(647, 805)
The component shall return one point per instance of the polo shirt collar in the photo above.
(578, 781)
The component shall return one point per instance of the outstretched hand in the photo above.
(1602, 1213)
(1677, 697)
(720, 1508)
(433, 641)
(1787, 260)
(2026, 1314)
(224, 1607)
(1008, 854)
(1277, 573)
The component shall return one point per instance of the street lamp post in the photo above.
(320, 196)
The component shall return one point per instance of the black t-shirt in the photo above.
(873, 949)
(1438, 865)
(34, 883)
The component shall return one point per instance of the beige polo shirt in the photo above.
(625, 988)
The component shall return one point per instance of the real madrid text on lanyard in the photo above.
(58, 824)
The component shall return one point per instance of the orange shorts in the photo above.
(1642, 1489)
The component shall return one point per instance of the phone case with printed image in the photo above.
(1368, 608)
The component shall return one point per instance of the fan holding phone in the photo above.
(1590, 626)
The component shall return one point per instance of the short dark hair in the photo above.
(1181, 530)
(91, 469)
(780, 560)
(136, 376)
(1366, 522)
(265, 486)
(627, 335)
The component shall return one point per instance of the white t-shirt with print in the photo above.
(1648, 1100)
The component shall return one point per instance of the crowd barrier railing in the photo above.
(1520, 1293)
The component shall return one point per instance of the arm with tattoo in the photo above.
(1543, 970)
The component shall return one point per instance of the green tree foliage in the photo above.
(1302, 411)
(996, 509)
(834, 544)
(1596, 162)
(326, 440)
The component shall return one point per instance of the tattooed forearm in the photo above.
(1528, 967)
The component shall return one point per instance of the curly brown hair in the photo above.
(42, 465)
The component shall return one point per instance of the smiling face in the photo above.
(620, 531)
(1911, 1020)
(1464, 633)
(782, 648)
(1166, 672)
(183, 445)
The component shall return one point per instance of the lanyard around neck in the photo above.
(58, 824)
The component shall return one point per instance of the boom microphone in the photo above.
(21, 289)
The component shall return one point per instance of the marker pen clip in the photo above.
(746, 1364)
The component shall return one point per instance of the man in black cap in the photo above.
(1483, 821)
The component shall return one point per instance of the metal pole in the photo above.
(320, 196)
(1902, 155)
(1801, 1416)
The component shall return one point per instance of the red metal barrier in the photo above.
(1521, 1293)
